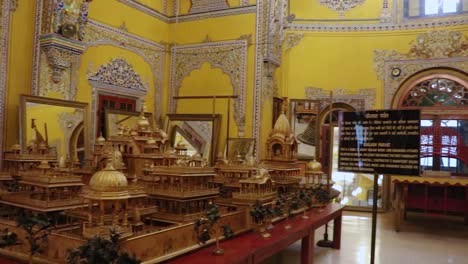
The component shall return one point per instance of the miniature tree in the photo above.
(37, 228)
(322, 196)
(306, 200)
(101, 250)
(209, 225)
(294, 204)
(8, 239)
(261, 214)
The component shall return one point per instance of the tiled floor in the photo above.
(421, 240)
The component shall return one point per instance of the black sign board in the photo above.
(381, 141)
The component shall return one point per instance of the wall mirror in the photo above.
(55, 126)
(198, 133)
(303, 114)
(240, 148)
(117, 118)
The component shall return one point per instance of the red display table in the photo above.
(430, 195)
(252, 248)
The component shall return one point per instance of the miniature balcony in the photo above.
(24, 199)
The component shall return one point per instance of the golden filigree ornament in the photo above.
(341, 5)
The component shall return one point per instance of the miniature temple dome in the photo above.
(143, 122)
(313, 166)
(282, 126)
(108, 179)
(100, 140)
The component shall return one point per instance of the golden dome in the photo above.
(100, 140)
(143, 122)
(282, 126)
(108, 179)
(313, 166)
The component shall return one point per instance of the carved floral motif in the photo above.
(199, 6)
(433, 44)
(341, 5)
(292, 39)
(363, 99)
(432, 49)
(229, 56)
(118, 72)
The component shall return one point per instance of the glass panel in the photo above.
(413, 8)
(465, 5)
(431, 7)
(356, 189)
(450, 6)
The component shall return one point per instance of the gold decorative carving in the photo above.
(292, 39)
(433, 44)
(341, 5)
(363, 99)
(442, 48)
(60, 53)
(99, 34)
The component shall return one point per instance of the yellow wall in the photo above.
(210, 81)
(19, 68)
(347, 63)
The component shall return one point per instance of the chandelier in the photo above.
(341, 5)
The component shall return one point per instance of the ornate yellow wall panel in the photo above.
(102, 55)
(19, 67)
(313, 10)
(221, 29)
(115, 14)
(346, 61)
(219, 83)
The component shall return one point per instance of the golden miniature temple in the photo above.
(136, 117)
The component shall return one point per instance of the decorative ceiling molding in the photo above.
(442, 48)
(145, 9)
(458, 21)
(200, 6)
(118, 73)
(362, 100)
(341, 5)
(247, 9)
(250, 9)
(229, 56)
(5, 9)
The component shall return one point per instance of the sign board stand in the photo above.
(374, 217)
(379, 142)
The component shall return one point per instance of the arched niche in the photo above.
(209, 80)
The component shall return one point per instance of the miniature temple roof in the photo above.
(282, 125)
(108, 184)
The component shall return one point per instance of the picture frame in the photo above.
(239, 148)
(303, 115)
